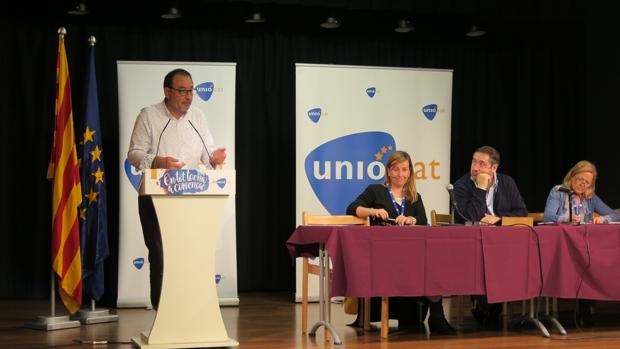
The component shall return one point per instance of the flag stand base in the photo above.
(51, 323)
(97, 316)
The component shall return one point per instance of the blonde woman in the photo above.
(577, 192)
(397, 201)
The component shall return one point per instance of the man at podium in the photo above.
(171, 134)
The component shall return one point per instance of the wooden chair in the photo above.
(532, 316)
(529, 221)
(440, 218)
(537, 216)
(308, 268)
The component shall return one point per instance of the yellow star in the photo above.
(88, 135)
(98, 175)
(383, 150)
(96, 154)
(92, 196)
(83, 213)
(379, 156)
(390, 147)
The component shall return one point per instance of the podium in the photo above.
(190, 205)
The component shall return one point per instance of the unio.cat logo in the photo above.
(133, 174)
(339, 170)
(205, 90)
(314, 114)
(430, 111)
(138, 263)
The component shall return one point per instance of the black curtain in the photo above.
(523, 92)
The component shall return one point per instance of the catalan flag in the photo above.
(67, 193)
(93, 212)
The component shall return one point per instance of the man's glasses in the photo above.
(184, 92)
(480, 163)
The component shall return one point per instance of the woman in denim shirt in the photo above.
(581, 182)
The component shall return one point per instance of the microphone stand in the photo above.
(570, 208)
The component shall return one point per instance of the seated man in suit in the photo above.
(485, 195)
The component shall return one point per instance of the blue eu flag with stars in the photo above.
(93, 211)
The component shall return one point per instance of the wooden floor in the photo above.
(272, 321)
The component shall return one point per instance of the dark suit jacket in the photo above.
(471, 200)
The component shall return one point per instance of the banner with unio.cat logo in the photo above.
(350, 119)
(140, 84)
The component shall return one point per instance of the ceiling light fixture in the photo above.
(172, 13)
(255, 17)
(330, 22)
(475, 32)
(79, 9)
(404, 26)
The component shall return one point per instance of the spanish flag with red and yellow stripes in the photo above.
(67, 195)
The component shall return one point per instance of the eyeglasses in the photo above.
(580, 180)
(480, 163)
(184, 92)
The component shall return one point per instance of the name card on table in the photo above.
(187, 182)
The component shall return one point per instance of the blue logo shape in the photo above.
(205, 90)
(371, 91)
(184, 181)
(430, 111)
(138, 263)
(314, 114)
(218, 278)
(339, 170)
(133, 174)
(221, 182)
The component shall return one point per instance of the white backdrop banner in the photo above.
(350, 119)
(140, 84)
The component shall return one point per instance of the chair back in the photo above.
(440, 218)
(529, 221)
(537, 216)
(308, 219)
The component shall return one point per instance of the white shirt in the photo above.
(151, 137)
(491, 196)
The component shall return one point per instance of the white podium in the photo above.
(189, 205)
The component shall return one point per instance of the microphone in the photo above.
(563, 189)
(455, 207)
(203, 144)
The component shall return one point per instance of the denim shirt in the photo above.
(556, 209)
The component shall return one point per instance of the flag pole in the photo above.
(53, 322)
(94, 315)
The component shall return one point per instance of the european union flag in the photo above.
(93, 211)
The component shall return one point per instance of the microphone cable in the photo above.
(583, 272)
(159, 140)
(203, 144)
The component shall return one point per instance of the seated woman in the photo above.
(577, 191)
(397, 199)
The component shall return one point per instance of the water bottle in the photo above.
(577, 209)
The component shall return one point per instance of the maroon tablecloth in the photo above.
(505, 263)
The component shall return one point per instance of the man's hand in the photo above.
(167, 162)
(218, 156)
(488, 219)
(483, 181)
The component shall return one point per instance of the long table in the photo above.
(505, 263)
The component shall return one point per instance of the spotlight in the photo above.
(330, 23)
(475, 32)
(79, 9)
(404, 26)
(255, 17)
(172, 13)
